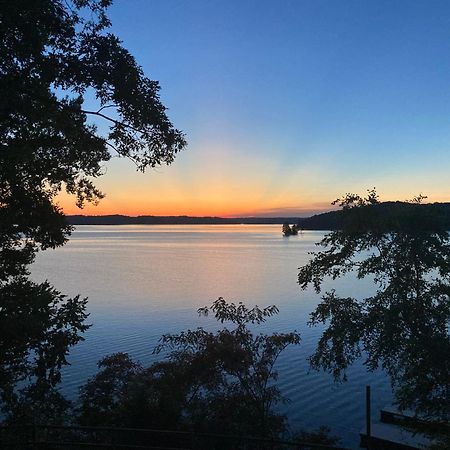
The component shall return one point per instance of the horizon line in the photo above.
(197, 217)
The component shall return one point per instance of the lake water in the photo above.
(143, 281)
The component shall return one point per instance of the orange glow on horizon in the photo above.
(246, 206)
(196, 209)
(213, 180)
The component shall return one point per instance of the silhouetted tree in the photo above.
(290, 231)
(404, 326)
(286, 229)
(53, 53)
(221, 382)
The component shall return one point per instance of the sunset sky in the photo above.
(287, 105)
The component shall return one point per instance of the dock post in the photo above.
(368, 417)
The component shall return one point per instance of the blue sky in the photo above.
(286, 105)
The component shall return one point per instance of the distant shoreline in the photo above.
(331, 220)
(325, 221)
(179, 220)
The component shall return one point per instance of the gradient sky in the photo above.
(287, 105)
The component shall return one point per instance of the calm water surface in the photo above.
(143, 281)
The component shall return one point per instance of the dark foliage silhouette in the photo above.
(218, 382)
(288, 230)
(52, 54)
(404, 326)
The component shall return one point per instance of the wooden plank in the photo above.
(390, 414)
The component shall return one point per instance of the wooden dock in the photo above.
(391, 434)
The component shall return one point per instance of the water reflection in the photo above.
(143, 281)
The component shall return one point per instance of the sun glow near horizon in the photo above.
(225, 183)
(217, 188)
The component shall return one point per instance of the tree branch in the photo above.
(120, 154)
(117, 122)
(106, 106)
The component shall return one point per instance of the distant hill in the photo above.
(333, 220)
(326, 221)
